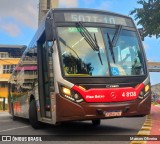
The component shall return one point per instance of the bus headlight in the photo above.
(66, 91)
(70, 94)
(144, 92)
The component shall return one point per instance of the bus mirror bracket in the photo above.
(49, 29)
(141, 30)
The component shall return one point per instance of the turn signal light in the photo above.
(82, 88)
(146, 88)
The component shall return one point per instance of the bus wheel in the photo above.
(33, 115)
(96, 122)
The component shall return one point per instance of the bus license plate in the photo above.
(113, 113)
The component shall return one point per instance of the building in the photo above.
(44, 6)
(9, 57)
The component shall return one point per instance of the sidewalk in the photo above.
(155, 130)
(3, 111)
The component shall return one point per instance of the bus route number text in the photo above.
(93, 18)
(129, 94)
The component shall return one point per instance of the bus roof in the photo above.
(41, 27)
(87, 9)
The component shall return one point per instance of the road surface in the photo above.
(113, 127)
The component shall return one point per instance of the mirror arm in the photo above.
(141, 31)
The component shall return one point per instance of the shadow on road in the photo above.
(84, 128)
(78, 127)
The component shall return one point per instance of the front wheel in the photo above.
(33, 115)
(96, 122)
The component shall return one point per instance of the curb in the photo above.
(145, 130)
(3, 111)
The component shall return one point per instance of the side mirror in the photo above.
(140, 30)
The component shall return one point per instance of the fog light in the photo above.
(141, 95)
(76, 96)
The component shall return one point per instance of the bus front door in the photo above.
(46, 81)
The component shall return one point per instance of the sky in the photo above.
(19, 21)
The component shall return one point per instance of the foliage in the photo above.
(148, 16)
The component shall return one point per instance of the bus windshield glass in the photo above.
(79, 58)
(123, 51)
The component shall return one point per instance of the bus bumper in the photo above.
(67, 110)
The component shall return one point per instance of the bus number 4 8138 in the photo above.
(129, 94)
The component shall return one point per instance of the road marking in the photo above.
(14, 128)
(145, 130)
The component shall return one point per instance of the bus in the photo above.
(82, 64)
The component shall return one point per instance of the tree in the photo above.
(148, 17)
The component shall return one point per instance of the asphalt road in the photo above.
(116, 128)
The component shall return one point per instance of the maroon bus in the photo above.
(82, 64)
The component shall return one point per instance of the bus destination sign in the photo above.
(97, 18)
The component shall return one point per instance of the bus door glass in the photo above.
(47, 76)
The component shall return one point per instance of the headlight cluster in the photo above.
(143, 93)
(70, 94)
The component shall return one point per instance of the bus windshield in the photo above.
(121, 58)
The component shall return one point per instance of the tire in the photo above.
(33, 115)
(96, 122)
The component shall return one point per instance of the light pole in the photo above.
(44, 6)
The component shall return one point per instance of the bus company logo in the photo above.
(113, 95)
(112, 86)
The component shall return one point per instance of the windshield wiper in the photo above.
(113, 42)
(99, 54)
(111, 47)
(89, 39)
